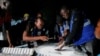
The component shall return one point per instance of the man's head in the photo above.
(39, 22)
(64, 12)
(26, 16)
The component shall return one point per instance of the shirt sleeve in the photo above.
(76, 28)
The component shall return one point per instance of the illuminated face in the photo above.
(64, 13)
(39, 23)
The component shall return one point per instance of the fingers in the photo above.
(60, 42)
(60, 38)
(11, 45)
(61, 45)
(44, 38)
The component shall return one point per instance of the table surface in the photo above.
(49, 49)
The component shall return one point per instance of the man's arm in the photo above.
(76, 28)
(33, 38)
(66, 31)
(28, 38)
(8, 38)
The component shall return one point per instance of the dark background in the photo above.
(19, 7)
(34, 5)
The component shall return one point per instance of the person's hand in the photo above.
(60, 42)
(61, 38)
(61, 46)
(44, 38)
(65, 33)
(10, 45)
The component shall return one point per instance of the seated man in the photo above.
(36, 32)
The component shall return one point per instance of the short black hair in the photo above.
(65, 7)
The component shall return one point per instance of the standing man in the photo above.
(15, 30)
(81, 29)
(5, 17)
(75, 22)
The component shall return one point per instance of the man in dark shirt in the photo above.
(36, 32)
(15, 30)
(5, 17)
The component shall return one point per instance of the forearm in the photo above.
(69, 38)
(66, 32)
(8, 38)
(77, 27)
(72, 34)
(29, 38)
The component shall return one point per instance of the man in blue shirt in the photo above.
(81, 29)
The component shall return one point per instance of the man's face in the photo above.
(64, 13)
(39, 23)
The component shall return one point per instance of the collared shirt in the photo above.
(33, 31)
(39, 32)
